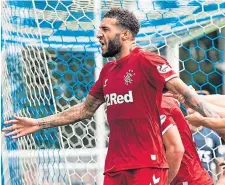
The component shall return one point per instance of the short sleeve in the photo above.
(156, 69)
(97, 90)
(166, 120)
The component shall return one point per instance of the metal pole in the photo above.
(99, 116)
(172, 55)
(222, 65)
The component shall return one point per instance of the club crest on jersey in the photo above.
(164, 68)
(128, 77)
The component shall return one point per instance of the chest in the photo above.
(121, 79)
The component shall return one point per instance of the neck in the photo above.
(125, 50)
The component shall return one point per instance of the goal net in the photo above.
(50, 58)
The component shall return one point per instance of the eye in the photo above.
(105, 29)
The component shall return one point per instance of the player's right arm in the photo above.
(22, 126)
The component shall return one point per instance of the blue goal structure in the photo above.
(50, 58)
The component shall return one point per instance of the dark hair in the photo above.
(125, 18)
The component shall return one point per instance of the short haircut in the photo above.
(125, 18)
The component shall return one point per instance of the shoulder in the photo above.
(150, 56)
(107, 66)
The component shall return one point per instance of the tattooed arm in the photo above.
(192, 100)
(76, 113)
(22, 126)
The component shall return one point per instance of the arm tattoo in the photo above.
(191, 98)
(188, 96)
(76, 113)
(45, 123)
(200, 106)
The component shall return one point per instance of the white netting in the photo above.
(51, 58)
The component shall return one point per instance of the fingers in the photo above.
(188, 117)
(190, 111)
(175, 96)
(20, 127)
(193, 120)
(13, 127)
(11, 122)
(193, 117)
(13, 132)
(180, 98)
(16, 120)
(19, 118)
(17, 133)
(18, 136)
(23, 132)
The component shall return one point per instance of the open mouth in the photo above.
(103, 44)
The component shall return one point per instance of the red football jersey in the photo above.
(191, 170)
(132, 89)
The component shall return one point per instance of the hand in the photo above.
(190, 111)
(181, 98)
(195, 119)
(21, 126)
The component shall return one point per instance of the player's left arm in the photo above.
(174, 151)
(177, 86)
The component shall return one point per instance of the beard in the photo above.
(114, 47)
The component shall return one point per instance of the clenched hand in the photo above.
(195, 119)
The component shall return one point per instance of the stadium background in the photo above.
(50, 58)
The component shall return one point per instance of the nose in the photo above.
(99, 34)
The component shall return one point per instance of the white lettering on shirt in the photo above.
(113, 98)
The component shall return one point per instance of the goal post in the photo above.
(50, 59)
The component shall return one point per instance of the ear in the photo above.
(126, 35)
